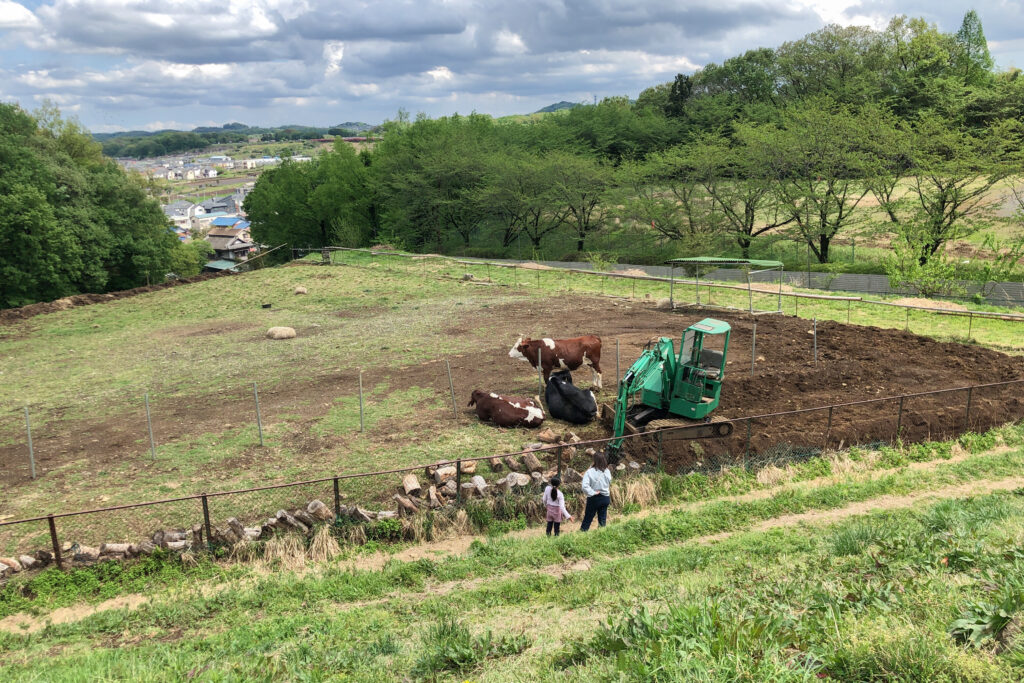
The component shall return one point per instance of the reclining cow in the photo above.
(506, 411)
(561, 354)
(567, 402)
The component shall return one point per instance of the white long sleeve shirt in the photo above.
(597, 481)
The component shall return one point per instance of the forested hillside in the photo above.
(908, 132)
(72, 221)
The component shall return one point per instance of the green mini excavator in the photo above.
(674, 391)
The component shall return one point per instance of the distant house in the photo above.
(301, 158)
(232, 244)
(226, 204)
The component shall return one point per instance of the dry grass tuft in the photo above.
(773, 475)
(286, 551)
(189, 559)
(244, 551)
(353, 534)
(323, 547)
(637, 491)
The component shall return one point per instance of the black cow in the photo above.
(566, 402)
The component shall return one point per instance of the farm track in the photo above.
(461, 545)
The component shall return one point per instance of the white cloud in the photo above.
(508, 43)
(16, 16)
(333, 53)
(440, 73)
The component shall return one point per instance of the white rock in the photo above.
(281, 333)
(301, 290)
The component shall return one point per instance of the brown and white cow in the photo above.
(506, 411)
(561, 354)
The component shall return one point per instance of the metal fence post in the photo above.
(828, 429)
(206, 522)
(753, 349)
(361, 423)
(906, 326)
(559, 462)
(970, 324)
(451, 387)
(56, 543)
(149, 424)
(259, 418)
(540, 369)
(815, 341)
(31, 451)
(661, 450)
(899, 417)
(967, 416)
(671, 288)
(746, 450)
(458, 482)
(337, 500)
(618, 375)
(848, 305)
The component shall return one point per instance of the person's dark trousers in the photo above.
(596, 505)
(555, 526)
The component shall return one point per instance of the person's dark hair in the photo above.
(555, 483)
(600, 461)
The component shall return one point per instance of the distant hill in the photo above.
(357, 126)
(558, 106)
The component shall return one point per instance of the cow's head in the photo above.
(476, 396)
(562, 377)
(518, 348)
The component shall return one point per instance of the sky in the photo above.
(148, 65)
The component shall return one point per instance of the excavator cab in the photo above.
(675, 390)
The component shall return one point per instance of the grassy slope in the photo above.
(737, 588)
(205, 340)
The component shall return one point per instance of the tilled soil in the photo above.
(854, 364)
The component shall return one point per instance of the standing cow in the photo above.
(506, 411)
(567, 402)
(561, 354)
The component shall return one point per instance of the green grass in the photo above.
(873, 597)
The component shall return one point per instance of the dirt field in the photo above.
(854, 363)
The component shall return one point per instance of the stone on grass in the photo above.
(301, 290)
(281, 333)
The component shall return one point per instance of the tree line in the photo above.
(73, 221)
(906, 130)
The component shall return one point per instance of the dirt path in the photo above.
(460, 545)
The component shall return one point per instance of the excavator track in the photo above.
(683, 430)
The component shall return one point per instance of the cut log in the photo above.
(496, 465)
(571, 476)
(470, 490)
(158, 539)
(319, 511)
(443, 474)
(620, 467)
(12, 563)
(114, 548)
(86, 553)
(449, 489)
(547, 435)
(469, 467)
(518, 479)
(252, 533)
(573, 438)
(197, 534)
(634, 466)
(177, 545)
(284, 517)
(361, 515)
(590, 452)
(411, 485)
(237, 529)
(304, 517)
(533, 446)
(432, 498)
(405, 506)
(43, 557)
(531, 462)
(27, 561)
(480, 483)
(146, 548)
(512, 463)
(387, 514)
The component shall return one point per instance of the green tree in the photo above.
(579, 185)
(973, 59)
(816, 165)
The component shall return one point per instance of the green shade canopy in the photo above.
(711, 326)
(222, 264)
(715, 261)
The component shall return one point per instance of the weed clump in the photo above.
(449, 646)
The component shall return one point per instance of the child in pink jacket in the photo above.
(554, 501)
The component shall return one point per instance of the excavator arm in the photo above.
(650, 362)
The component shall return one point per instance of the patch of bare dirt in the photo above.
(930, 303)
(26, 624)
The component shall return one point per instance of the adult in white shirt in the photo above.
(597, 482)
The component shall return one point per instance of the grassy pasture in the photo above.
(197, 349)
